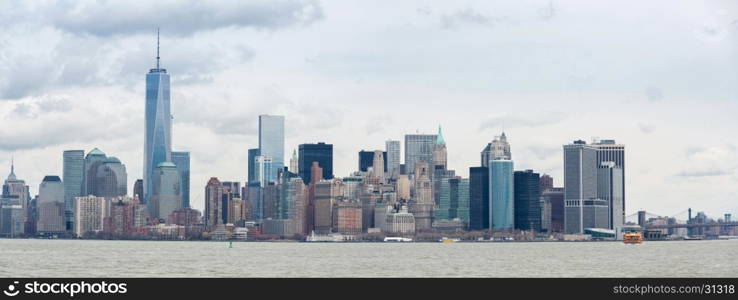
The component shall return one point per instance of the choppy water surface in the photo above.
(88, 258)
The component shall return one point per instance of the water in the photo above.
(89, 258)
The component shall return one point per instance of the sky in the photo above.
(660, 77)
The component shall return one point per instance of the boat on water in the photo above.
(397, 239)
(446, 240)
(632, 238)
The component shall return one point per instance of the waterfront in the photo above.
(95, 258)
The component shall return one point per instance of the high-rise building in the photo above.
(440, 155)
(379, 165)
(454, 203)
(158, 123)
(323, 206)
(422, 202)
(580, 183)
(347, 217)
(527, 200)
(253, 153)
(182, 160)
(89, 214)
(501, 194)
(111, 179)
(499, 148)
(74, 179)
(366, 160)
(321, 153)
(51, 206)
(213, 194)
(271, 143)
(546, 182)
(418, 147)
(315, 172)
(138, 190)
(609, 188)
(554, 197)
(166, 196)
(610, 151)
(393, 158)
(17, 192)
(478, 198)
(294, 163)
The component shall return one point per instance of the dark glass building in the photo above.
(253, 153)
(321, 153)
(478, 198)
(366, 160)
(527, 200)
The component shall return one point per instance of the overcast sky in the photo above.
(658, 76)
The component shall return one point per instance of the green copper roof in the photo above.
(96, 152)
(112, 159)
(167, 164)
(439, 138)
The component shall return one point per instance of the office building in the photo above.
(158, 123)
(213, 193)
(271, 143)
(609, 188)
(294, 163)
(527, 200)
(554, 198)
(393, 158)
(439, 158)
(580, 184)
(478, 198)
(422, 203)
(418, 147)
(454, 203)
(347, 217)
(253, 153)
(74, 179)
(51, 206)
(166, 196)
(321, 153)
(366, 160)
(501, 195)
(181, 159)
(499, 148)
(323, 206)
(138, 190)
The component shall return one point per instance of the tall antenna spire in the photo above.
(157, 48)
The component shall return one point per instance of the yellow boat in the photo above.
(632, 238)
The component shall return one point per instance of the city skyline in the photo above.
(697, 164)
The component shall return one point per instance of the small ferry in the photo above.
(446, 240)
(397, 239)
(632, 238)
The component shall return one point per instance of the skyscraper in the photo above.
(501, 194)
(580, 183)
(321, 153)
(253, 153)
(478, 198)
(610, 151)
(454, 201)
(166, 196)
(213, 193)
(111, 179)
(527, 200)
(158, 123)
(418, 147)
(182, 161)
(89, 214)
(51, 206)
(366, 160)
(440, 156)
(378, 165)
(138, 189)
(74, 179)
(392, 160)
(271, 142)
(422, 203)
(609, 188)
(499, 148)
(294, 163)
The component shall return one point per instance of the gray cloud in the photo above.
(467, 16)
(522, 120)
(183, 18)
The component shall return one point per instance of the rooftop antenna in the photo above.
(157, 48)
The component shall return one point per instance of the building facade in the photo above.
(182, 160)
(271, 142)
(527, 197)
(321, 153)
(501, 195)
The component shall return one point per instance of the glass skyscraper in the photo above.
(73, 178)
(527, 200)
(182, 161)
(158, 127)
(393, 158)
(418, 147)
(321, 153)
(454, 202)
(501, 188)
(253, 153)
(271, 142)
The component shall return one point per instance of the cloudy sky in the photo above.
(659, 76)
